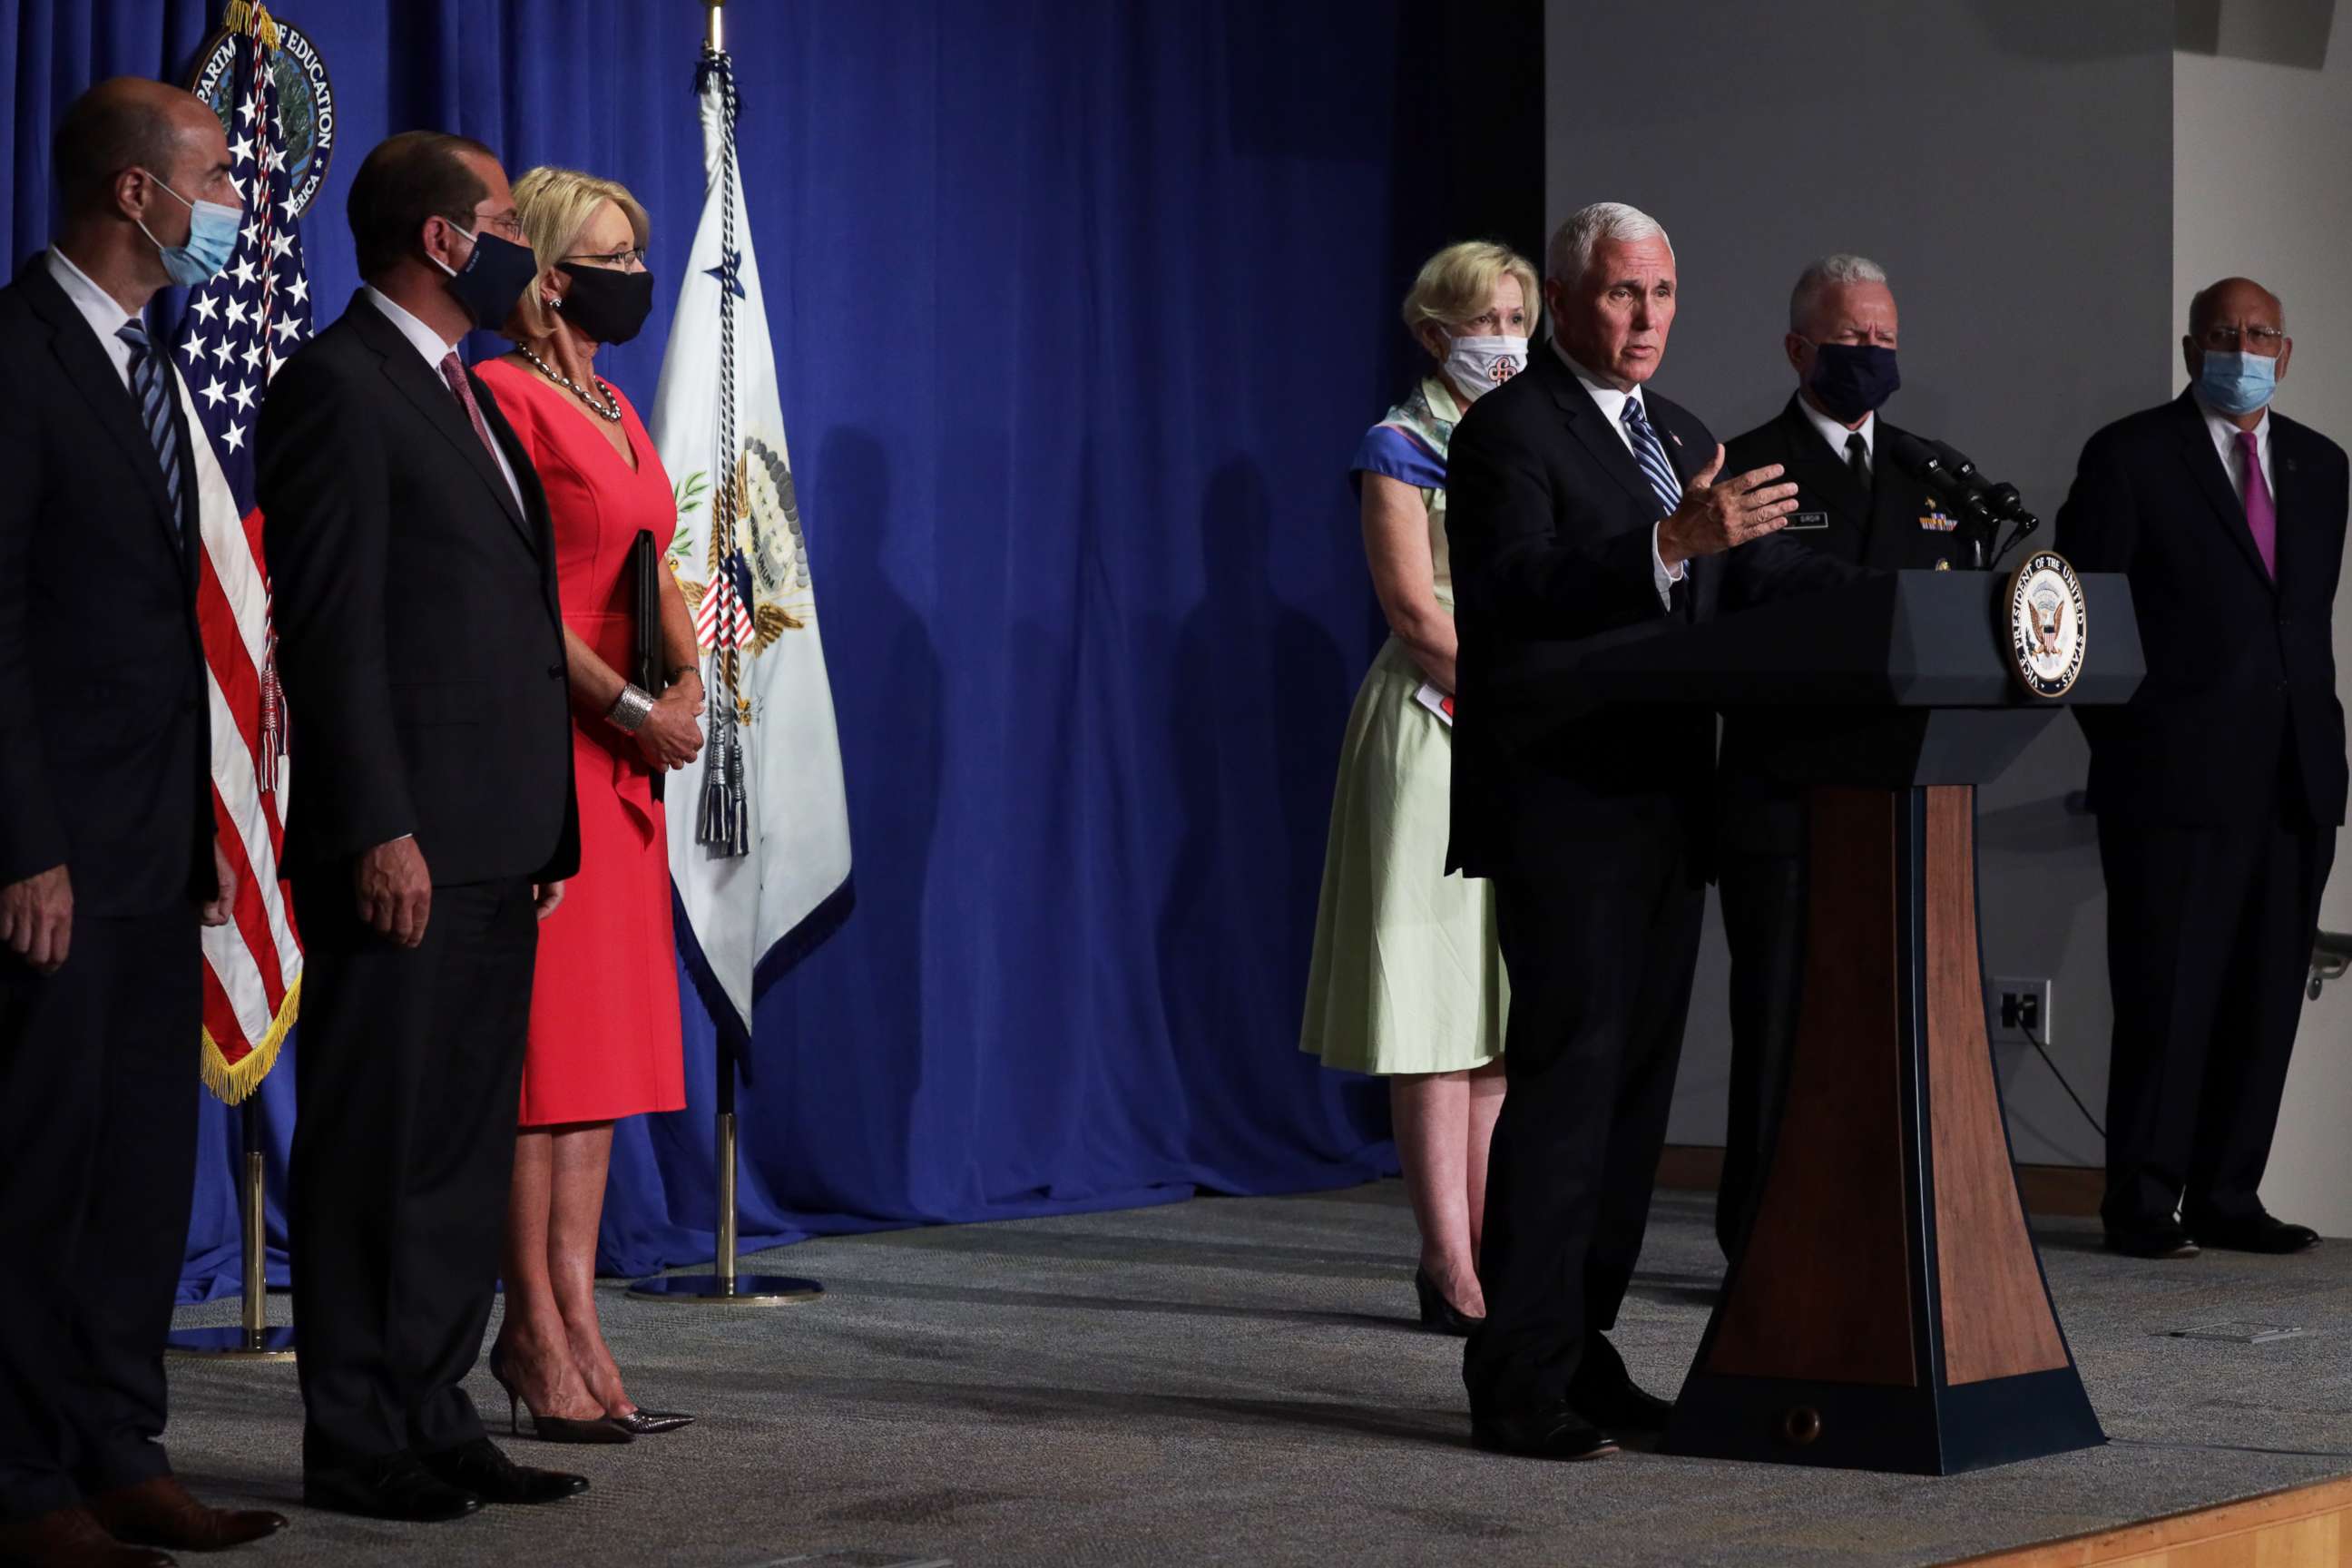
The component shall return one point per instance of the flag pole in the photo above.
(251, 1339)
(725, 1284)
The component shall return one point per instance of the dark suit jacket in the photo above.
(1886, 527)
(1549, 523)
(419, 635)
(105, 754)
(2239, 708)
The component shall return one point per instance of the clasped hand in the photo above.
(671, 735)
(1719, 515)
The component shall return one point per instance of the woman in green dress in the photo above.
(1407, 980)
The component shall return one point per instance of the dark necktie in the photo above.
(1651, 456)
(453, 371)
(151, 387)
(1857, 459)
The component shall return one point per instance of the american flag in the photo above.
(238, 329)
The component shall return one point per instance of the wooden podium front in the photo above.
(1889, 1311)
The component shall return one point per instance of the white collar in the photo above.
(2220, 427)
(424, 339)
(102, 309)
(1835, 433)
(1611, 400)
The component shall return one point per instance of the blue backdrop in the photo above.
(1080, 311)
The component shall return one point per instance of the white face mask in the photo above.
(1477, 366)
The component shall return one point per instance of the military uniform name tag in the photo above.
(1808, 522)
(2047, 634)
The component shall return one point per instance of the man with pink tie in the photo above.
(2219, 786)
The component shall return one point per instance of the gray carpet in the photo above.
(1236, 1381)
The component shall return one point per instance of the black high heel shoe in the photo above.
(1437, 1312)
(646, 1423)
(555, 1428)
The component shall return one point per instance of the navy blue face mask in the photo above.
(493, 278)
(1850, 379)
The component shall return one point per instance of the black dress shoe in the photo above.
(2164, 1239)
(1553, 1432)
(2260, 1234)
(1603, 1391)
(481, 1470)
(397, 1486)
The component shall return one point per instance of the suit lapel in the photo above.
(423, 386)
(98, 384)
(1583, 415)
(2196, 447)
(1701, 582)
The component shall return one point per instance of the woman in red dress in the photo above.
(604, 1005)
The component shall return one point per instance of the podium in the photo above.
(1890, 1311)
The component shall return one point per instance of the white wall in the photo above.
(2260, 152)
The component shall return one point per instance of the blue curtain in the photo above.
(1081, 310)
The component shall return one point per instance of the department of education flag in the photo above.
(239, 327)
(759, 825)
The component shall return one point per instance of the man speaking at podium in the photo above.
(2219, 786)
(1854, 503)
(1582, 504)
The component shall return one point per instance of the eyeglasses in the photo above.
(506, 226)
(2262, 340)
(625, 258)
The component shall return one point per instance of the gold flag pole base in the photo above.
(251, 1339)
(725, 1285)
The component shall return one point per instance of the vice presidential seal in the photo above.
(2046, 632)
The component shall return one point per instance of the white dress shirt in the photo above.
(1835, 433)
(1611, 404)
(102, 309)
(2225, 442)
(435, 348)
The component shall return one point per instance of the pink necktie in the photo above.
(453, 372)
(2262, 515)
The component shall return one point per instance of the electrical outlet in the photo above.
(2018, 1011)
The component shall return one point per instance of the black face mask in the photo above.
(492, 280)
(610, 307)
(1850, 379)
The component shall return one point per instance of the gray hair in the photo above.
(1826, 274)
(1569, 255)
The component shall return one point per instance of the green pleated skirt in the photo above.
(1406, 976)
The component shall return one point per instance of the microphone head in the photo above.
(1958, 462)
(2007, 503)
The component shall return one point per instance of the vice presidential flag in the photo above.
(238, 328)
(759, 825)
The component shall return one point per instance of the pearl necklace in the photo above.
(610, 408)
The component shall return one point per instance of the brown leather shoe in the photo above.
(161, 1512)
(71, 1538)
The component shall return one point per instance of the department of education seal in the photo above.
(305, 101)
(2047, 635)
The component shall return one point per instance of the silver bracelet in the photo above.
(630, 710)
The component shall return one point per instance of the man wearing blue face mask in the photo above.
(1852, 503)
(422, 649)
(106, 854)
(2219, 786)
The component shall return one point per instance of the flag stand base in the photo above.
(726, 1287)
(252, 1338)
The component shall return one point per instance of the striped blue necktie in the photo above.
(149, 384)
(1651, 456)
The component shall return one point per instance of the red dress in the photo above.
(604, 1005)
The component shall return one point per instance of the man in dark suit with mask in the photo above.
(107, 857)
(1856, 503)
(2219, 786)
(422, 648)
(1582, 504)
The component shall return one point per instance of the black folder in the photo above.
(645, 606)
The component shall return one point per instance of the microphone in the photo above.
(1928, 461)
(2009, 504)
(2001, 501)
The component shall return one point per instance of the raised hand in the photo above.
(1719, 515)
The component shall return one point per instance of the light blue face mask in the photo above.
(212, 240)
(2237, 382)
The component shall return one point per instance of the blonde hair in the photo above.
(554, 207)
(1457, 285)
